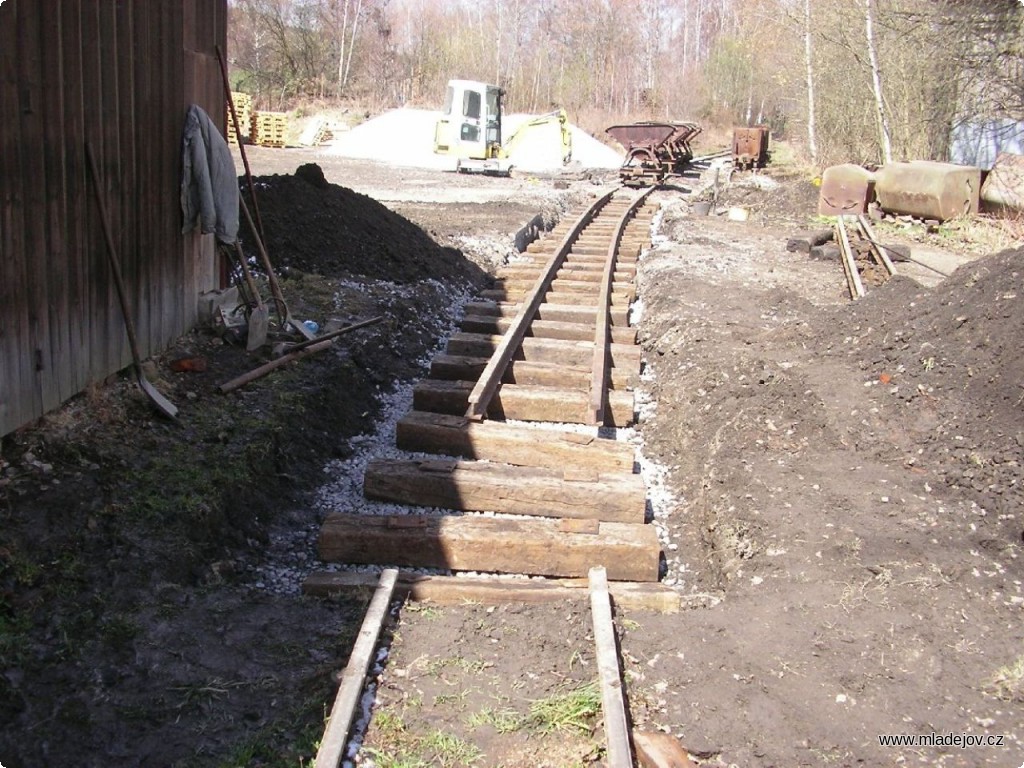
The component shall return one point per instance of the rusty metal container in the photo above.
(928, 190)
(750, 146)
(654, 150)
(845, 189)
(1003, 189)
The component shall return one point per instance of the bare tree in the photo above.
(876, 82)
(812, 142)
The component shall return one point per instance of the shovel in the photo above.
(259, 316)
(162, 404)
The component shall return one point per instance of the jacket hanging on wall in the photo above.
(209, 182)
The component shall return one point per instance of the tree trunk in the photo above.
(341, 54)
(876, 81)
(812, 144)
(352, 40)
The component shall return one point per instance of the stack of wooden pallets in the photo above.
(243, 108)
(269, 129)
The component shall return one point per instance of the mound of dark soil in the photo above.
(958, 344)
(313, 226)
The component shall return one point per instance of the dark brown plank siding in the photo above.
(120, 75)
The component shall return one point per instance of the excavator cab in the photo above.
(470, 127)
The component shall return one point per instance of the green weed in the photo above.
(573, 710)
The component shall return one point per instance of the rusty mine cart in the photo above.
(654, 151)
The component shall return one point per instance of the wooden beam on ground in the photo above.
(517, 402)
(660, 750)
(620, 299)
(522, 446)
(563, 351)
(490, 379)
(489, 487)
(477, 543)
(557, 312)
(469, 368)
(263, 370)
(803, 242)
(332, 745)
(849, 264)
(587, 288)
(544, 329)
(613, 706)
(496, 590)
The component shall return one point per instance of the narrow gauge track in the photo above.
(551, 344)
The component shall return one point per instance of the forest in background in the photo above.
(845, 80)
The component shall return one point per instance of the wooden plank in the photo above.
(488, 487)
(588, 272)
(490, 379)
(476, 543)
(77, 196)
(849, 265)
(555, 312)
(332, 745)
(595, 257)
(17, 393)
(29, 48)
(145, 44)
(620, 299)
(496, 590)
(660, 750)
(493, 441)
(562, 351)
(468, 368)
(803, 242)
(558, 285)
(63, 354)
(180, 302)
(616, 726)
(545, 329)
(557, 404)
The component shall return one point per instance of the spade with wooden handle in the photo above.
(162, 404)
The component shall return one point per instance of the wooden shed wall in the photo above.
(119, 74)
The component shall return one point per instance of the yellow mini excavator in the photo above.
(471, 129)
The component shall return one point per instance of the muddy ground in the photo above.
(844, 513)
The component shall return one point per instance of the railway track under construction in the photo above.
(512, 467)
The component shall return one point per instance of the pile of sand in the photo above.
(406, 137)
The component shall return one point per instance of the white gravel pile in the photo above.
(406, 137)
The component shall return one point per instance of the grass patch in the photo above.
(397, 748)
(1008, 682)
(574, 710)
(501, 720)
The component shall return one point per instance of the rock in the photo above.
(826, 252)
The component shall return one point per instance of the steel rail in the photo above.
(602, 333)
(489, 381)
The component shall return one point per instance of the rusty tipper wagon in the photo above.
(654, 151)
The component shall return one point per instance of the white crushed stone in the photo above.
(405, 137)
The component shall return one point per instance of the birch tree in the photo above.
(876, 84)
(812, 142)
